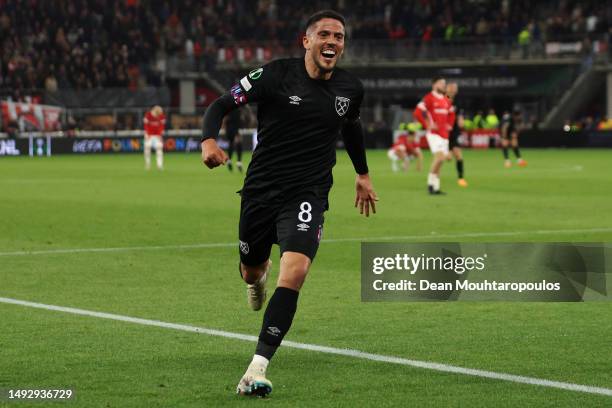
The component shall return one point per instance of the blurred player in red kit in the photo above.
(434, 112)
(154, 124)
(403, 150)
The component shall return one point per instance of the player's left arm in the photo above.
(451, 117)
(460, 121)
(352, 134)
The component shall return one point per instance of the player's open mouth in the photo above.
(328, 54)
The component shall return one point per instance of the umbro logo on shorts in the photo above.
(244, 247)
(303, 227)
(294, 100)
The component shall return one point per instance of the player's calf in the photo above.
(256, 290)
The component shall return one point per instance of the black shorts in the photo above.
(509, 132)
(295, 225)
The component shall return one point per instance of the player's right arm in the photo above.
(422, 114)
(254, 87)
(212, 154)
(145, 121)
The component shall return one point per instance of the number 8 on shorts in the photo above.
(305, 214)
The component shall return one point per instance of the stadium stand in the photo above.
(89, 44)
(54, 50)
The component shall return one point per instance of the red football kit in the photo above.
(440, 111)
(154, 125)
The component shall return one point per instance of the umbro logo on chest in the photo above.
(341, 103)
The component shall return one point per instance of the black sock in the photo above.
(505, 149)
(277, 321)
(460, 168)
(517, 153)
(230, 149)
(239, 151)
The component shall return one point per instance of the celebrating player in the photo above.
(434, 114)
(403, 150)
(302, 105)
(509, 129)
(154, 124)
(453, 140)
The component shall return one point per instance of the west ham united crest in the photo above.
(342, 105)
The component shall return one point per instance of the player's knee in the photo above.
(294, 268)
(250, 274)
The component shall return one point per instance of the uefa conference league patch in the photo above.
(254, 75)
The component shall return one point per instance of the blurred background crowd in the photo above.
(117, 43)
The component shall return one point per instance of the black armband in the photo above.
(213, 117)
(352, 134)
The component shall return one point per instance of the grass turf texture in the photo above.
(110, 201)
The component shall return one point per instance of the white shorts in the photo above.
(154, 142)
(392, 154)
(437, 144)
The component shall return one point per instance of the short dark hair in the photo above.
(320, 15)
(436, 79)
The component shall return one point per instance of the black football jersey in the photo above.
(299, 120)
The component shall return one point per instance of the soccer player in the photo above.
(303, 104)
(154, 124)
(453, 140)
(232, 132)
(434, 114)
(509, 128)
(403, 150)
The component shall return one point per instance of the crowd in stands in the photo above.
(75, 43)
(588, 123)
(117, 43)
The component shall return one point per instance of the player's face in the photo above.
(452, 89)
(324, 41)
(440, 86)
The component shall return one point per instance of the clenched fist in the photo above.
(212, 154)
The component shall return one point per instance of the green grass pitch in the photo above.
(68, 202)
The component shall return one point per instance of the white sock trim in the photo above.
(430, 179)
(259, 363)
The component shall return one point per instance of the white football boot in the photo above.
(254, 382)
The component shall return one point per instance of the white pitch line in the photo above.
(324, 349)
(332, 240)
(116, 249)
